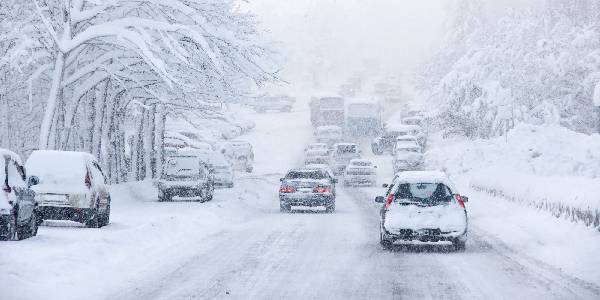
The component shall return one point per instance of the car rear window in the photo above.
(423, 193)
(309, 174)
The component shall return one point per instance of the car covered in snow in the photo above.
(341, 156)
(185, 175)
(360, 172)
(423, 207)
(385, 143)
(240, 154)
(219, 167)
(316, 157)
(71, 187)
(280, 103)
(408, 158)
(329, 134)
(316, 146)
(18, 208)
(308, 188)
(402, 144)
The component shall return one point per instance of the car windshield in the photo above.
(306, 174)
(423, 193)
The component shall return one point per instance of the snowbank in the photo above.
(548, 167)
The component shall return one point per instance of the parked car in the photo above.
(329, 134)
(316, 146)
(219, 167)
(425, 207)
(240, 154)
(18, 208)
(341, 156)
(71, 187)
(408, 158)
(316, 157)
(360, 172)
(280, 103)
(185, 176)
(307, 187)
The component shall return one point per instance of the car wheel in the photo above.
(387, 245)
(285, 208)
(11, 232)
(93, 220)
(330, 208)
(106, 215)
(459, 245)
(249, 170)
(27, 230)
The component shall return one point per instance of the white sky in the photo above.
(327, 41)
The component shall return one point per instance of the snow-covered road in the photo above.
(241, 247)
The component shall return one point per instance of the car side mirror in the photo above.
(379, 199)
(464, 198)
(385, 186)
(33, 180)
(334, 180)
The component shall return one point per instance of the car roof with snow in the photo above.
(317, 152)
(361, 161)
(424, 177)
(317, 144)
(406, 138)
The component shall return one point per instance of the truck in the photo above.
(327, 111)
(364, 119)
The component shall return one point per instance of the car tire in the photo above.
(285, 208)
(12, 231)
(330, 208)
(94, 219)
(105, 220)
(459, 245)
(249, 170)
(28, 230)
(387, 245)
(163, 197)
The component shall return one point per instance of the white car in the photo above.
(360, 172)
(401, 145)
(316, 157)
(240, 154)
(329, 134)
(316, 146)
(423, 207)
(341, 156)
(71, 186)
(408, 158)
(219, 166)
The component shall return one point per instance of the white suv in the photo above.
(71, 186)
(423, 206)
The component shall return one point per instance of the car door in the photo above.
(24, 196)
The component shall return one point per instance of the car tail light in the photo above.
(88, 179)
(389, 200)
(287, 189)
(459, 200)
(322, 189)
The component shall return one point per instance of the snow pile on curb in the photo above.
(547, 167)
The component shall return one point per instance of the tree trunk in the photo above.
(51, 102)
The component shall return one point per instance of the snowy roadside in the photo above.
(145, 237)
(516, 186)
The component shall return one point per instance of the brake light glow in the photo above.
(389, 200)
(459, 200)
(322, 189)
(287, 189)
